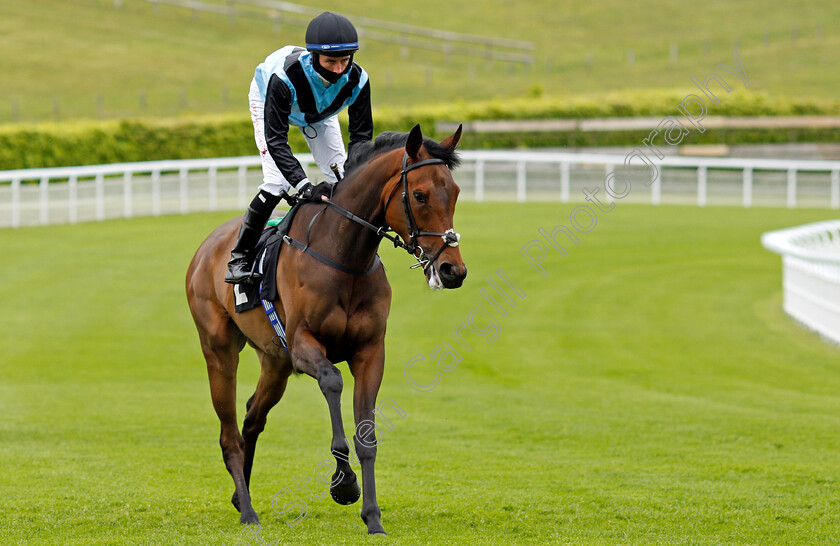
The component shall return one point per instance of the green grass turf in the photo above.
(648, 390)
(77, 50)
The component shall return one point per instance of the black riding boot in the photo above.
(259, 211)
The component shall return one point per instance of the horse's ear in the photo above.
(451, 141)
(415, 140)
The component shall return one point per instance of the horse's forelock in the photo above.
(450, 157)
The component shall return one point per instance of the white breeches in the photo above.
(326, 145)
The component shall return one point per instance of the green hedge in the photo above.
(89, 142)
(624, 104)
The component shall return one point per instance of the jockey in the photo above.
(306, 88)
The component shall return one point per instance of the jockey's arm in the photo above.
(278, 106)
(361, 120)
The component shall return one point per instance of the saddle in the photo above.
(249, 295)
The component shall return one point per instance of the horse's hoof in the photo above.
(371, 517)
(377, 530)
(249, 518)
(346, 493)
(235, 502)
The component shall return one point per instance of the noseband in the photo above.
(450, 237)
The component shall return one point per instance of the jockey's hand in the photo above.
(315, 193)
(290, 199)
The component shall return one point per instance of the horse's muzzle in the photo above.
(452, 276)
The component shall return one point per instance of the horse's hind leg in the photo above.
(221, 342)
(274, 373)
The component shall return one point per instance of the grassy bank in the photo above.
(88, 59)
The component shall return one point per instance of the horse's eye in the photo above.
(419, 197)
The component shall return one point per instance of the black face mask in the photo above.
(331, 77)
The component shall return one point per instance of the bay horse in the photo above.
(334, 302)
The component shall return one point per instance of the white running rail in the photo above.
(124, 190)
(810, 274)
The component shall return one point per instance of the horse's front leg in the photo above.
(367, 367)
(309, 357)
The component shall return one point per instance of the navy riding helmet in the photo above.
(332, 35)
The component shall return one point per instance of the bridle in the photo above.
(450, 237)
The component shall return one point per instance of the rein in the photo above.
(450, 237)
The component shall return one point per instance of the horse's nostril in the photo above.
(448, 270)
(452, 275)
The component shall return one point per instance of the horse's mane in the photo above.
(390, 140)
